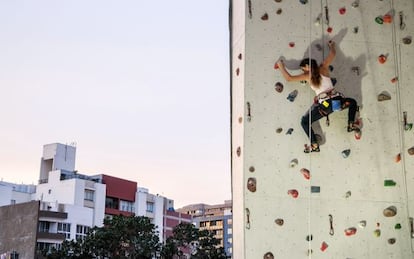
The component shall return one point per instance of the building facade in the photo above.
(70, 203)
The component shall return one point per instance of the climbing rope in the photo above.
(397, 64)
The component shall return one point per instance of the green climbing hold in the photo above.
(389, 183)
(379, 20)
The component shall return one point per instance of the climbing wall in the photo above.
(355, 198)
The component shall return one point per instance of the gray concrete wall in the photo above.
(18, 228)
(349, 189)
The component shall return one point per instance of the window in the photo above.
(89, 195)
(12, 202)
(44, 226)
(111, 203)
(81, 232)
(202, 224)
(213, 223)
(127, 206)
(150, 207)
(64, 228)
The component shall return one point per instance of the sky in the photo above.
(141, 87)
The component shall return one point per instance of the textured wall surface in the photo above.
(340, 212)
(18, 228)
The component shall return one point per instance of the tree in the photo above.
(188, 239)
(120, 237)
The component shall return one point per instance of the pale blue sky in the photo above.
(142, 87)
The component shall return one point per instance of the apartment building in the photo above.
(69, 203)
(216, 218)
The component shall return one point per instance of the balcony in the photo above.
(53, 236)
(53, 214)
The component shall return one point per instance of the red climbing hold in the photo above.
(329, 30)
(324, 246)
(350, 231)
(305, 172)
(276, 66)
(394, 80)
(294, 193)
(342, 11)
(291, 44)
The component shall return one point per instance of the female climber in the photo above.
(327, 99)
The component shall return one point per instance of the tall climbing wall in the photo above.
(355, 198)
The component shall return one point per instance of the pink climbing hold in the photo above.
(294, 193)
(305, 172)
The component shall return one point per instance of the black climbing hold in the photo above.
(346, 153)
(279, 87)
(291, 97)
(289, 131)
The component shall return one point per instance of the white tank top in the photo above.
(326, 85)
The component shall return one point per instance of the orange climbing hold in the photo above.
(398, 158)
(382, 59)
(387, 18)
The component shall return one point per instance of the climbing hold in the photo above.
(293, 162)
(324, 246)
(391, 241)
(237, 71)
(279, 130)
(355, 29)
(303, 1)
(379, 20)
(362, 224)
(279, 87)
(318, 20)
(276, 66)
(390, 211)
(265, 17)
(394, 80)
(239, 56)
(315, 189)
(389, 182)
(292, 95)
(348, 194)
(398, 158)
(331, 229)
(309, 238)
(310, 251)
(294, 193)
(278, 1)
(355, 4)
(305, 172)
(279, 222)
(238, 151)
(268, 255)
(407, 40)
(377, 233)
(342, 11)
(329, 30)
(412, 227)
(251, 169)
(240, 119)
(346, 153)
(397, 226)
(289, 131)
(411, 151)
(387, 18)
(291, 44)
(384, 96)
(350, 231)
(279, 11)
(382, 59)
(251, 184)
